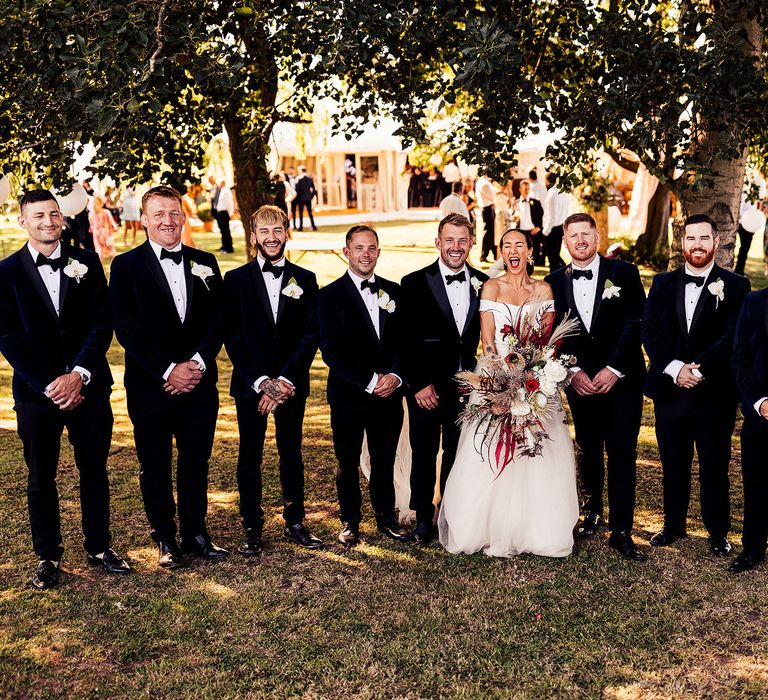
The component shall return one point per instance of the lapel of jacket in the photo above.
(34, 277)
(705, 296)
(474, 297)
(602, 276)
(261, 291)
(678, 287)
(64, 283)
(189, 278)
(155, 268)
(288, 273)
(436, 284)
(569, 298)
(357, 301)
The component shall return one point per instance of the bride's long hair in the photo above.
(529, 268)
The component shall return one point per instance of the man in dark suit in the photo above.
(688, 330)
(750, 368)
(529, 215)
(359, 339)
(606, 391)
(55, 329)
(440, 333)
(305, 193)
(271, 339)
(166, 305)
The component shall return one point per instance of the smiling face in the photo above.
(164, 219)
(269, 238)
(515, 252)
(581, 240)
(454, 244)
(43, 222)
(699, 245)
(362, 252)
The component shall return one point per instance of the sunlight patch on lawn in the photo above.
(217, 590)
(387, 554)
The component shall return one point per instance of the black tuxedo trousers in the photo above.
(686, 422)
(289, 424)
(609, 422)
(754, 448)
(89, 428)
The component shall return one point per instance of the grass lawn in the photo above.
(383, 620)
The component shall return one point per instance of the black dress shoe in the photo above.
(298, 534)
(350, 534)
(170, 556)
(745, 561)
(588, 525)
(423, 533)
(622, 542)
(667, 536)
(110, 562)
(252, 546)
(46, 575)
(389, 526)
(201, 546)
(720, 546)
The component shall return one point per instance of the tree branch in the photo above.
(159, 34)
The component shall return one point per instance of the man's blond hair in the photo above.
(269, 214)
(160, 191)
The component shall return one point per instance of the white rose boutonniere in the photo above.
(201, 271)
(292, 289)
(385, 302)
(476, 284)
(610, 290)
(75, 269)
(717, 289)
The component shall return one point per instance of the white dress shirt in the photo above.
(692, 295)
(458, 294)
(453, 204)
(225, 202)
(556, 207)
(538, 190)
(451, 173)
(485, 192)
(177, 283)
(523, 209)
(52, 281)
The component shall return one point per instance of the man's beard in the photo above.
(708, 259)
(268, 256)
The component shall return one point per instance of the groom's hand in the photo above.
(386, 385)
(604, 381)
(686, 378)
(583, 384)
(427, 398)
(184, 377)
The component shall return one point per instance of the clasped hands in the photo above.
(64, 391)
(274, 392)
(686, 378)
(601, 383)
(184, 377)
(386, 385)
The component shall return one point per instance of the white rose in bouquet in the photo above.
(554, 371)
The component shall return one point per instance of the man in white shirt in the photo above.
(538, 189)
(529, 214)
(688, 331)
(453, 203)
(485, 193)
(556, 209)
(223, 209)
(451, 173)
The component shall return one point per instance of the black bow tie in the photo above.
(524, 201)
(586, 274)
(169, 255)
(458, 277)
(368, 284)
(274, 269)
(57, 264)
(698, 280)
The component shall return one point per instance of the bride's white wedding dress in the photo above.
(532, 507)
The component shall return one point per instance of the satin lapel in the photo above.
(34, 276)
(569, 298)
(157, 272)
(679, 289)
(438, 289)
(287, 274)
(474, 298)
(64, 283)
(602, 276)
(357, 300)
(188, 278)
(706, 296)
(261, 291)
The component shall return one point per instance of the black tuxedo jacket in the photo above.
(348, 340)
(614, 337)
(305, 189)
(257, 344)
(750, 352)
(709, 342)
(431, 347)
(41, 345)
(148, 326)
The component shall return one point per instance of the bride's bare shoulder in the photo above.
(542, 291)
(490, 290)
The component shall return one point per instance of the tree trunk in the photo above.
(601, 219)
(653, 243)
(251, 175)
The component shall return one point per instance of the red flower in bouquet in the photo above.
(532, 384)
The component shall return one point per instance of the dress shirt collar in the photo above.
(699, 273)
(445, 270)
(594, 266)
(358, 280)
(55, 255)
(156, 247)
(275, 263)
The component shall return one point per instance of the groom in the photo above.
(606, 391)
(441, 331)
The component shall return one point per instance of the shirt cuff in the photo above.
(257, 384)
(197, 358)
(399, 380)
(167, 372)
(575, 369)
(616, 372)
(673, 369)
(372, 384)
(758, 403)
(696, 373)
(84, 372)
(287, 381)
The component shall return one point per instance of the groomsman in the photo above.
(529, 217)
(55, 329)
(271, 339)
(166, 304)
(688, 330)
(440, 333)
(750, 368)
(359, 339)
(606, 391)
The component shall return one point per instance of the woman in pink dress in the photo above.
(103, 227)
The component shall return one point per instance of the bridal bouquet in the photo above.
(511, 395)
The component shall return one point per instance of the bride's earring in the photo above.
(530, 260)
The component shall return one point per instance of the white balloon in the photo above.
(73, 203)
(753, 220)
(5, 189)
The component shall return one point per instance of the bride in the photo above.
(532, 505)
